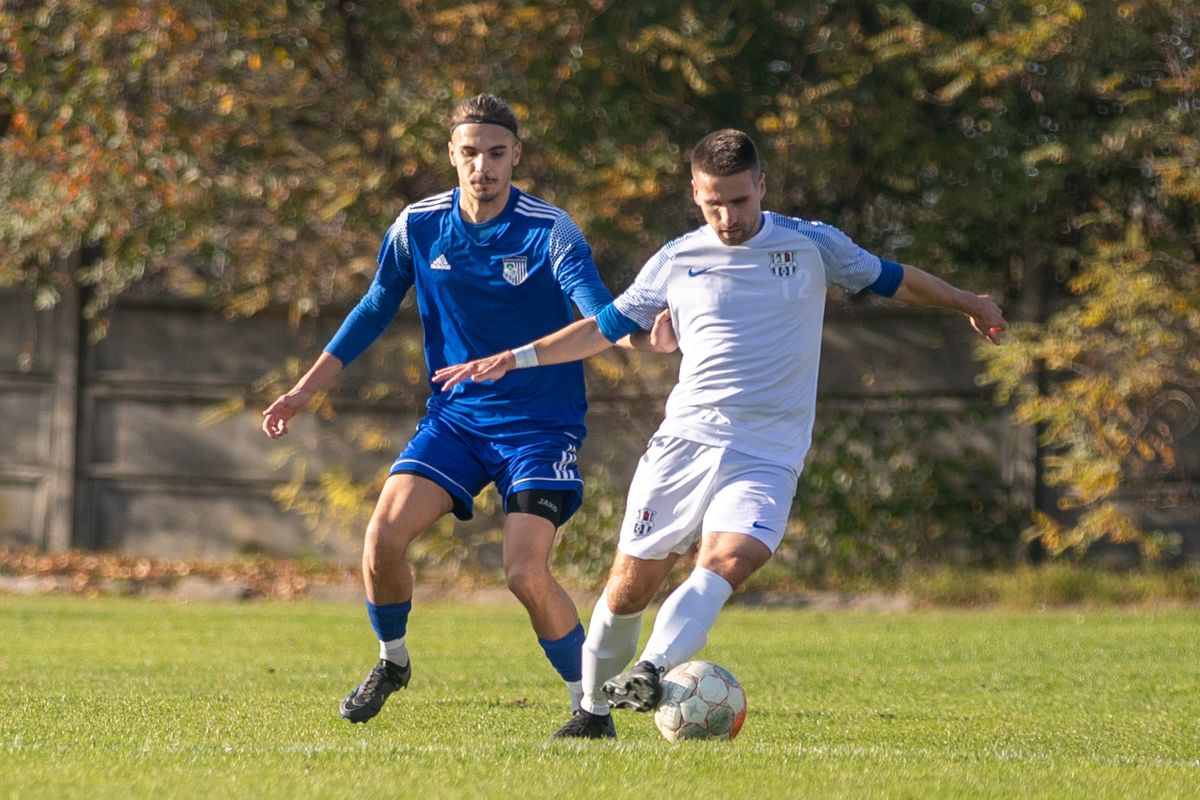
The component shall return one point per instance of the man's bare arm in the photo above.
(290, 403)
(578, 340)
(920, 288)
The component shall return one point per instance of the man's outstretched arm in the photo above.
(290, 403)
(578, 340)
(920, 288)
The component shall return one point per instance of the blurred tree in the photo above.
(193, 147)
(252, 153)
(1112, 377)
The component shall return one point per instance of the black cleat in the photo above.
(640, 688)
(586, 725)
(367, 699)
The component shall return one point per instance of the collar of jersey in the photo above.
(764, 230)
(461, 227)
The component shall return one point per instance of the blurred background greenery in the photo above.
(250, 154)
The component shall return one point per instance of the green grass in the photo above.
(122, 698)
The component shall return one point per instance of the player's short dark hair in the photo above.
(484, 109)
(725, 152)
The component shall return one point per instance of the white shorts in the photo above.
(683, 489)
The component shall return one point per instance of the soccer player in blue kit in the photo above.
(746, 295)
(492, 267)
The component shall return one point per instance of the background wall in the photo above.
(116, 445)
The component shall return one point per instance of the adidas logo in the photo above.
(440, 263)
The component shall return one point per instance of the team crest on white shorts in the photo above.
(516, 269)
(783, 263)
(644, 522)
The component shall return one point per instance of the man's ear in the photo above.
(517, 153)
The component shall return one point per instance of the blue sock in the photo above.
(566, 654)
(389, 621)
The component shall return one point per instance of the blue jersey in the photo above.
(480, 290)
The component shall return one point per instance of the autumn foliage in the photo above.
(251, 154)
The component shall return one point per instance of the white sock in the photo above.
(610, 644)
(395, 651)
(575, 690)
(683, 622)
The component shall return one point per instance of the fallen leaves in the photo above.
(86, 572)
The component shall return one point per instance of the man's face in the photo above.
(484, 156)
(731, 204)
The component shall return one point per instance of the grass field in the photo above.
(123, 698)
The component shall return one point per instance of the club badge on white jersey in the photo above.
(783, 263)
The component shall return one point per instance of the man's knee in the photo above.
(735, 557)
(623, 605)
(633, 582)
(628, 595)
(528, 539)
(407, 506)
(527, 581)
(384, 543)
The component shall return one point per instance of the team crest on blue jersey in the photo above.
(783, 263)
(644, 522)
(516, 269)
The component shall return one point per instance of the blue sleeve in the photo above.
(591, 296)
(613, 324)
(890, 276)
(575, 269)
(378, 307)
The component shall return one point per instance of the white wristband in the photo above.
(525, 356)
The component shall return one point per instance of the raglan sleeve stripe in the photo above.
(647, 295)
(846, 264)
(378, 307)
(574, 267)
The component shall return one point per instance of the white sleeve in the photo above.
(846, 264)
(647, 295)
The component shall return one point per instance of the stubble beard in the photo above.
(733, 238)
(485, 192)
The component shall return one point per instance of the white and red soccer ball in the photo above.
(700, 700)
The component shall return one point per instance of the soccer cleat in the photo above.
(640, 688)
(367, 699)
(586, 725)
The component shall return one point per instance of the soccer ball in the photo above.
(700, 700)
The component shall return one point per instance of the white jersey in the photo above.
(748, 319)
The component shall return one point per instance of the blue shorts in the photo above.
(463, 464)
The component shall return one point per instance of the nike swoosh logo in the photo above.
(694, 272)
(761, 527)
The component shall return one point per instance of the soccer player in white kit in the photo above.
(746, 296)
